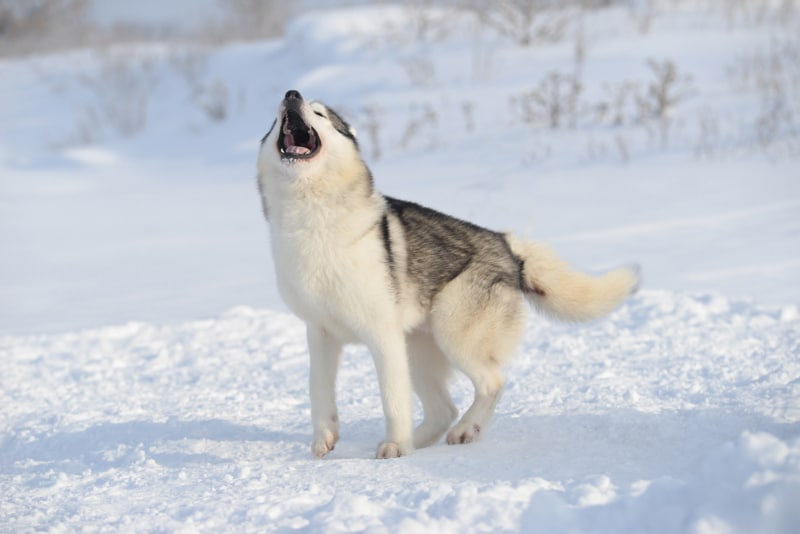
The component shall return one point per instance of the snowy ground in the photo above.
(680, 413)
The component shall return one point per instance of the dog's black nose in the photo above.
(292, 94)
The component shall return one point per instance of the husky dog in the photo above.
(425, 292)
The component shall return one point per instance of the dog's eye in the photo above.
(319, 114)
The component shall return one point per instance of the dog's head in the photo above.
(306, 136)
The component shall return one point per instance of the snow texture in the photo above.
(151, 380)
(679, 414)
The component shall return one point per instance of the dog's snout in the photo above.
(293, 95)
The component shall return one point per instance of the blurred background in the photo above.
(660, 131)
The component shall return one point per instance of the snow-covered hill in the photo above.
(127, 198)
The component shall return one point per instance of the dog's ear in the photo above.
(342, 126)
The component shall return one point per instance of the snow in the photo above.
(678, 414)
(151, 379)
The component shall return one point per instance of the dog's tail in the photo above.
(556, 290)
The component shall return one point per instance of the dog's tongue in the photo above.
(297, 150)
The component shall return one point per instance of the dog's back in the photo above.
(441, 248)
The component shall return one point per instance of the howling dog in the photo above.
(425, 292)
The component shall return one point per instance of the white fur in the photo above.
(569, 295)
(331, 271)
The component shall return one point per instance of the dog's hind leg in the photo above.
(488, 380)
(325, 353)
(429, 372)
(478, 330)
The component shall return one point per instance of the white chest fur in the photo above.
(331, 268)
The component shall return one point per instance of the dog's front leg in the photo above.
(394, 379)
(325, 353)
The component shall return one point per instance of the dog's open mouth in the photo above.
(297, 140)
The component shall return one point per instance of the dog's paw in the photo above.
(389, 449)
(323, 443)
(463, 433)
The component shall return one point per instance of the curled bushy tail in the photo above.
(558, 291)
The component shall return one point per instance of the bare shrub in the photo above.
(421, 120)
(118, 94)
(35, 26)
(422, 23)
(633, 102)
(420, 69)
(468, 114)
(524, 21)
(553, 103)
(579, 48)
(619, 106)
(708, 136)
(622, 148)
(595, 150)
(666, 87)
(773, 75)
(213, 99)
(643, 14)
(112, 99)
(756, 12)
(482, 56)
(603, 149)
(254, 19)
(537, 151)
(191, 66)
(427, 24)
(372, 124)
(30, 26)
(210, 96)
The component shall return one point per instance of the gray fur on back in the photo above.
(441, 248)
